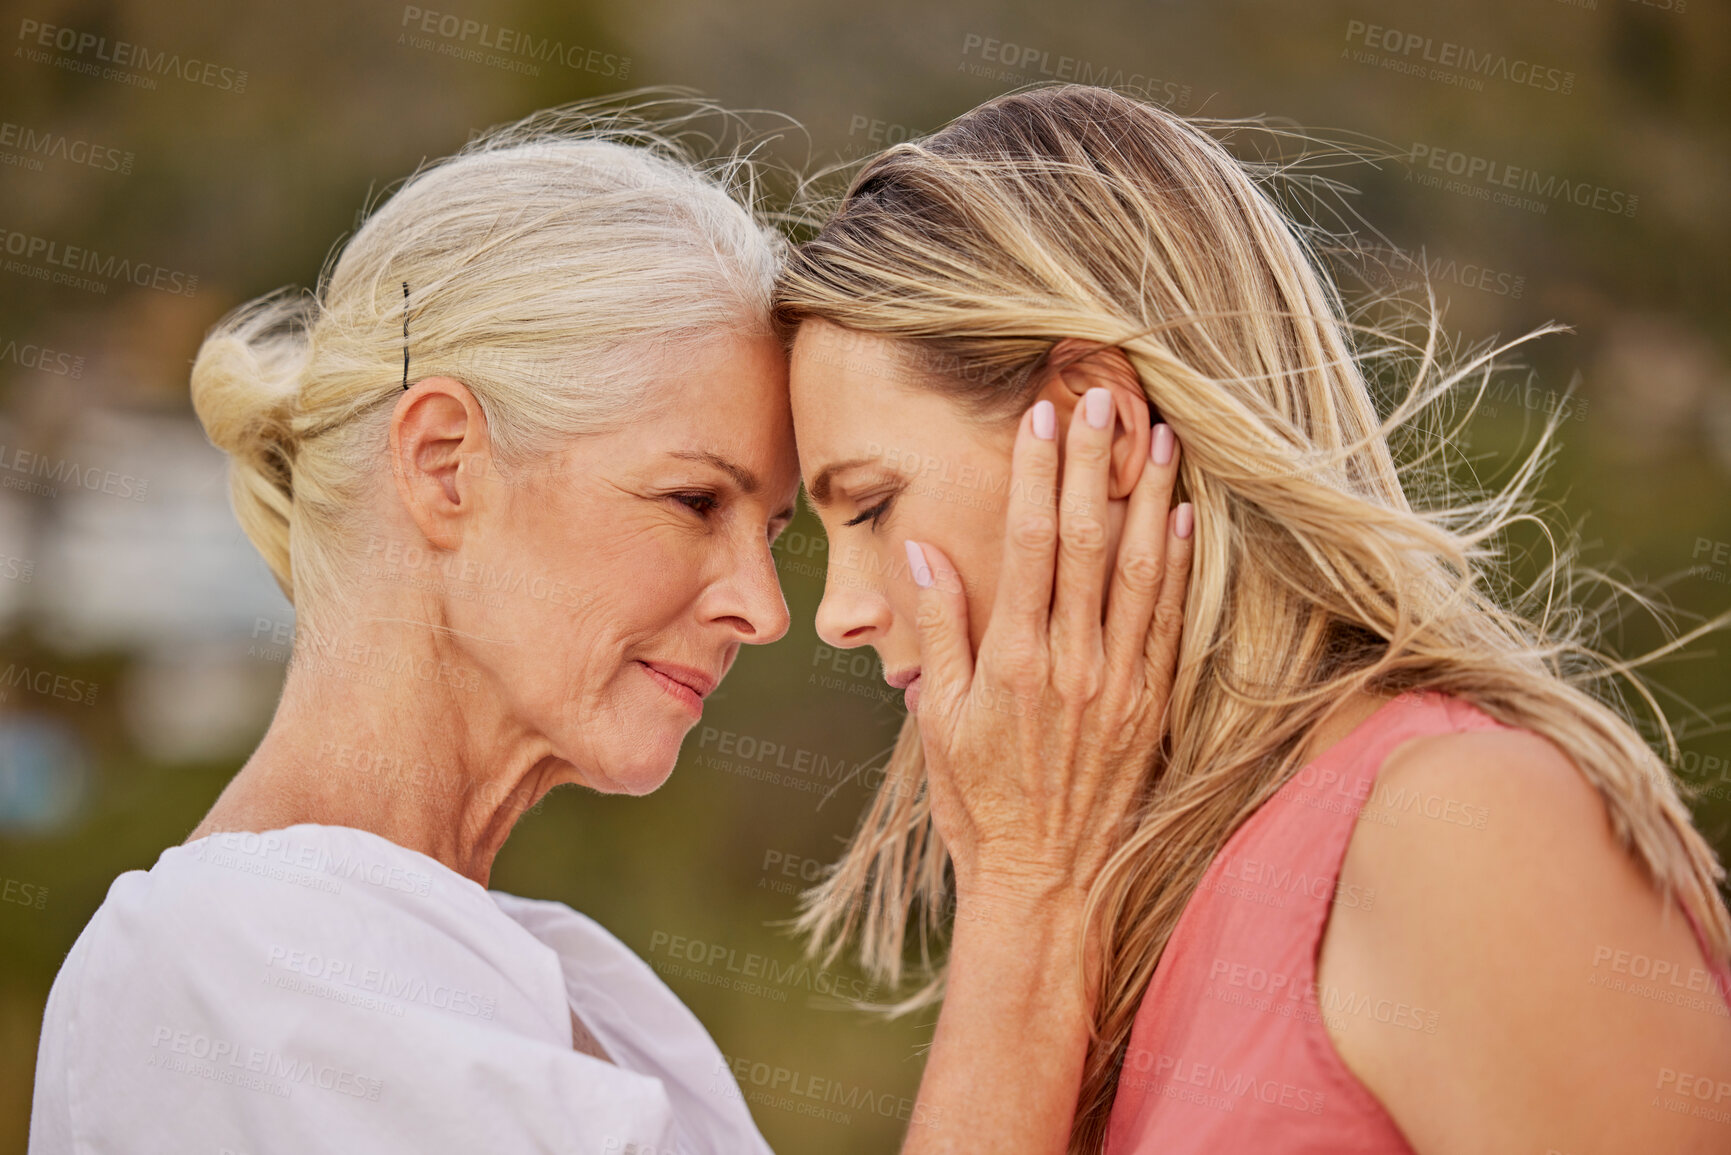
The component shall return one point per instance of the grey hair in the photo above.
(544, 261)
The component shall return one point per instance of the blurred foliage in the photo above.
(249, 191)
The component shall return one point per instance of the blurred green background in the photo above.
(128, 582)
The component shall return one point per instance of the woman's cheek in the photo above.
(981, 582)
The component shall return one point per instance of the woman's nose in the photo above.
(754, 600)
(851, 613)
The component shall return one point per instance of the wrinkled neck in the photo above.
(384, 726)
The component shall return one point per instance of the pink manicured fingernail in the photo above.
(1184, 521)
(1161, 446)
(1045, 420)
(1098, 404)
(917, 563)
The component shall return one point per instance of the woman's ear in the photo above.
(1083, 365)
(439, 451)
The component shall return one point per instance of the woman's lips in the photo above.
(686, 694)
(907, 681)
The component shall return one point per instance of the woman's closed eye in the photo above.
(875, 514)
(699, 502)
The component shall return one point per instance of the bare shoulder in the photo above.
(1524, 801)
(1503, 907)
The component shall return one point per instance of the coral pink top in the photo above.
(1229, 1052)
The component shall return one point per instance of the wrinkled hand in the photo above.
(1036, 746)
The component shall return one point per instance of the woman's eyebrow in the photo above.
(742, 477)
(818, 490)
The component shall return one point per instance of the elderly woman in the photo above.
(519, 464)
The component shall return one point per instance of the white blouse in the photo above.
(320, 988)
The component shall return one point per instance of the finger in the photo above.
(1081, 571)
(1024, 594)
(1138, 576)
(946, 653)
(1166, 633)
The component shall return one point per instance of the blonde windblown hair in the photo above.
(1070, 211)
(543, 262)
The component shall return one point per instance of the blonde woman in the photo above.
(1377, 885)
(519, 464)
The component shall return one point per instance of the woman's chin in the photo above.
(646, 780)
(638, 751)
(643, 768)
